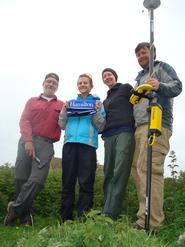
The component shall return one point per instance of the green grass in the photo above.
(95, 231)
(10, 235)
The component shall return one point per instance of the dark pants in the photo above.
(78, 163)
(30, 175)
(118, 159)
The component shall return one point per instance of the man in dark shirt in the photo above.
(39, 130)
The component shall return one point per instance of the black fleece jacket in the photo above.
(119, 111)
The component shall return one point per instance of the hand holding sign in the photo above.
(81, 107)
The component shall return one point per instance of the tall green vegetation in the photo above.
(96, 230)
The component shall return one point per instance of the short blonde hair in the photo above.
(87, 76)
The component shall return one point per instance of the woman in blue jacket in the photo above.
(79, 151)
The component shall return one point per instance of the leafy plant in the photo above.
(173, 165)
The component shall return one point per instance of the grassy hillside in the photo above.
(96, 230)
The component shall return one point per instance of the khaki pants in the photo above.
(139, 169)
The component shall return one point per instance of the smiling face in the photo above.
(84, 86)
(50, 86)
(143, 57)
(109, 79)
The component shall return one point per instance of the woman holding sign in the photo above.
(81, 119)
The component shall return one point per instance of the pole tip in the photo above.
(151, 4)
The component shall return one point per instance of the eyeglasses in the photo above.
(51, 81)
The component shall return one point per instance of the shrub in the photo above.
(48, 201)
(6, 187)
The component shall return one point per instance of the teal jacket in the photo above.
(83, 129)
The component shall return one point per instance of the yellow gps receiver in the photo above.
(155, 124)
(155, 119)
(140, 93)
(155, 110)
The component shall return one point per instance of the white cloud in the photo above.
(71, 37)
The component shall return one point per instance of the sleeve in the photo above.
(63, 118)
(170, 85)
(99, 118)
(127, 90)
(25, 122)
(130, 90)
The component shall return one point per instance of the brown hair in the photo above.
(87, 76)
(143, 45)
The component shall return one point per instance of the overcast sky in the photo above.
(70, 37)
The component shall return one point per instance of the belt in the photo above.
(43, 139)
